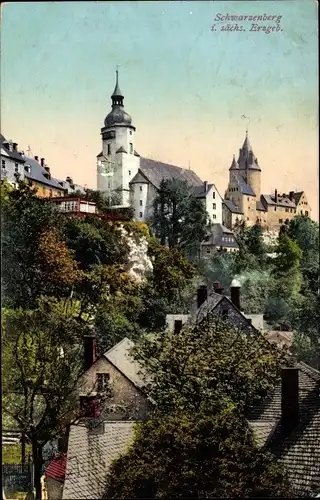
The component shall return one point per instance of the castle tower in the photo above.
(249, 167)
(118, 162)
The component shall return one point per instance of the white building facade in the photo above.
(12, 161)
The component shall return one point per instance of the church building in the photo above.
(135, 180)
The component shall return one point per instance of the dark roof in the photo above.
(90, 453)
(260, 207)
(244, 187)
(297, 196)
(139, 178)
(200, 191)
(300, 449)
(117, 92)
(215, 237)
(247, 157)
(38, 174)
(234, 164)
(156, 171)
(283, 201)
(11, 154)
(57, 468)
(135, 153)
(121, 150)
(232, 207)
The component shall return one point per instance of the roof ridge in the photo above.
(116, 345)
(315, 374)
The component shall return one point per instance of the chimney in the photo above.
(68, 179)
(15, 146)
(276, 196)
(89, 406)
(47, 169)
(42, 162)
(205, 185)
(202, 295)
(89, 344)
(289, 398)
(217, 287)
(291, 195)
(36, 158)
(235, 293)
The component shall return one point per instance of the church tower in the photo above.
(118, 161)
(249, 168)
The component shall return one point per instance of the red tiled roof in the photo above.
(57, 468)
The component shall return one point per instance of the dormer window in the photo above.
(27, 168)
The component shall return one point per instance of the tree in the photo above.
(24, 217)
(204, 367)
(42, 368)
(196, 456)
(252, 252)
(287, 267)
(179, 218)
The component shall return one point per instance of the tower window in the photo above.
(140, 188)
(214, 216)
(214, 206)
(213, 195)
(140, 215)
(131, 147)
(130, 132)
(3, 163)
(109, 149)
(129, 172)
(16, 167)
(141, 203)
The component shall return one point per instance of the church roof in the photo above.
(201, 190)
(232, 207)
(38, 174)
(247, 157)
(117, 92)
(297, 196)
(11, 154)
(156, 171)
(139, 178)
(121, 150)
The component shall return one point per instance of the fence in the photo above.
(17, 477)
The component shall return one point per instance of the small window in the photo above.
(130, 132)
(275, 208)
(102, 381)
(301, 212)
(131, 147)
(213, 206)
(140, 215)
(214, 216)
(248, 198)
(213, 195)
(129, 172)
(50, 193)
(109, 185)
(140, 188)
(307, 213)
(16, 167)
(224, 313)
(109, 149)
(141, 203)
(247, 218)
(3, 163)
(208, 250)
(280, 221)
(177, 325)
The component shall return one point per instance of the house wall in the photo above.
(44, 191)
(171, 318)
(9, 167)
(214, 205)
(303, 207)
(54, 489)
(123, 391)
(248, 207)
(275, 218)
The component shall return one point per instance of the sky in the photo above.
(191, 91)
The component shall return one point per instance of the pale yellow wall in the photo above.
(274, 216)
(303, 207)
(123, 391)
(44, 191)
(249, 209)
(254, 180)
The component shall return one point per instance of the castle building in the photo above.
(136, 180)
(243, 199)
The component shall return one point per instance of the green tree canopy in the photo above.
(179, 218)
(196, 456)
